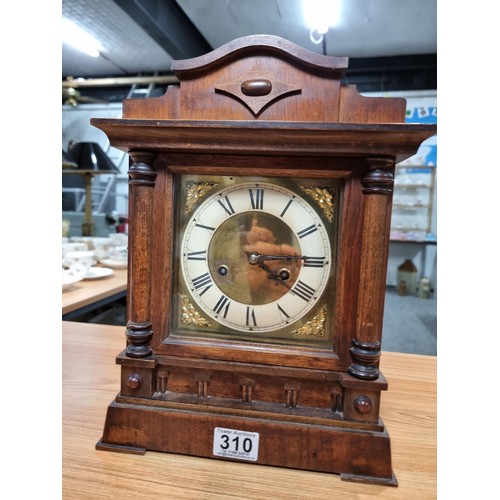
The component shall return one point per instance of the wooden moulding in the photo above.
(356, 456)
(265, 138)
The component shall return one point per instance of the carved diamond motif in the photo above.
(256, 103)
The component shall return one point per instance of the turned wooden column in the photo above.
(142, 178)
(377, 189)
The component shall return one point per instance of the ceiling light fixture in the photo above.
(320, 15)
(79, 39)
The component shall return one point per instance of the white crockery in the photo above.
(98, 272)
(114, 264)
(118, 253)
(69, 279)
(79, 262)
(73, 247)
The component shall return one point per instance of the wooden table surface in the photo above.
(85, 292)
(91, 381)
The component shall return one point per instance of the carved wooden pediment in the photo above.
(264, 77)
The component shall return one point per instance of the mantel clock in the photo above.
(260, 195)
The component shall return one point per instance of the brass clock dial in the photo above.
(255, 257)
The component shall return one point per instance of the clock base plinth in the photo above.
(119, 448)
(369, 480)
(353, 453)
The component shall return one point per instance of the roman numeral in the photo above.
(201, 255)
(257, 198)
(307, 231)
(314, 261)
(222, 304)
(305, 292)
(203, 281)
(208, 228)
(286, 207)
(283, 312)
(251, 317)
(226, 205)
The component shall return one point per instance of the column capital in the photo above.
(380, 176)
(141, 171)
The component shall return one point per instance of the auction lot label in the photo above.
(233, 443)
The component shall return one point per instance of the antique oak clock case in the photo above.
(259, 210)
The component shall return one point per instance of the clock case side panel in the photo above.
(163, 229)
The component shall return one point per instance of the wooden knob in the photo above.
(134, 380)
(256, 88)
(363, 404)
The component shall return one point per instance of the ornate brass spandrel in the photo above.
(314, 327)
(190, 315)
(324, 197)
(195, 191)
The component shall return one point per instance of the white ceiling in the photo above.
(369, 28)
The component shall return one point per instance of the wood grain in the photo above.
(262, 137)
(91, 380)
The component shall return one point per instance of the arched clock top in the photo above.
(256, 45)
(264, 77)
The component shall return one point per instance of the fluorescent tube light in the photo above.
(79, 39)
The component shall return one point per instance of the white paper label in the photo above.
(233, 443)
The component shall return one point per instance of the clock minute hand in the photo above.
(288, 258)
(258, 258)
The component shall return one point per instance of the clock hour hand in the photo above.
(278, 278)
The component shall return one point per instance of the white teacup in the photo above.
(119, 254)
(80, 262)
(73, 247)
(119, 239)
(101, 247)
